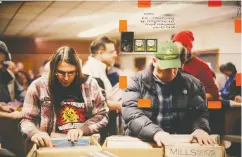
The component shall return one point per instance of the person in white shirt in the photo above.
(103, 55)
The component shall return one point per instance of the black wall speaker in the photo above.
(127, 41)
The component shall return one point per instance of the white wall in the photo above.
(220, 36)
(127, 60)
(212, 36)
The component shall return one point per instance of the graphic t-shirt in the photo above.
(70, 112)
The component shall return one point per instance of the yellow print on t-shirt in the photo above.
(70, 115)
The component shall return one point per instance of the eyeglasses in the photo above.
(62, 73)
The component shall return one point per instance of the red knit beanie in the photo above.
(185, 38)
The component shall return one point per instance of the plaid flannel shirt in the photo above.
(39, 114)
(165, 115)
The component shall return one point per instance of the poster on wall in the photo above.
(127, 41)
(139, 45)
(151, 45)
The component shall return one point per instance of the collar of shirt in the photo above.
(96, 68)
(165, 88)
(97, 63)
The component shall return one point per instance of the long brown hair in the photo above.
(68, 55)
(22, 79)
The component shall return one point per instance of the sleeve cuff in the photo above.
(31, 133)
(86, 130)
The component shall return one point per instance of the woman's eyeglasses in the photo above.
(63, 73)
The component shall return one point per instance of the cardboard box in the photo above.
(75, 151)
(100, 154)
(186, 149)
(125, 146)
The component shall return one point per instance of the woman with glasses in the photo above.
(67, 101)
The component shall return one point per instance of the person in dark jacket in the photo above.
(5, 76)
(230, 90)
(9, 116)
(6, 111)
(177, 101)
(195, 66)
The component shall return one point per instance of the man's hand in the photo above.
(114, 105)
(15, 115)
(42, 139)
(237, 98)
(74, 134)
(5, 108)
(234, 103)
(163, 138)
(209, 97)
(202, 137)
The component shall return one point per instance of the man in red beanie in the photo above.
(196, 66)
